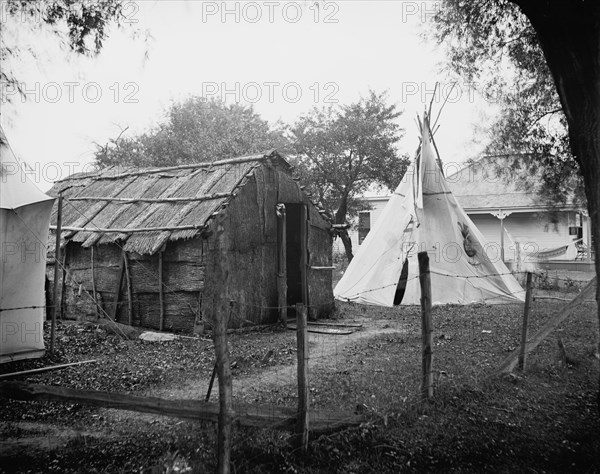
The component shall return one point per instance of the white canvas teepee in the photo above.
(24, 224)
(423, 215)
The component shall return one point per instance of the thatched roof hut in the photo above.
(157, 247)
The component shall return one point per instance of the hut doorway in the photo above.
(295, 242)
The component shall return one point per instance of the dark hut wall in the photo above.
(321, 303)
(248, 254)
(183, 282)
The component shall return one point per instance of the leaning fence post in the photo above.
(523, 352)
(426, 325)
(302, 340)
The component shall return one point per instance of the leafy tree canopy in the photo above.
(195, 130)
(567, 34)
(492, 45)
(81, 26)
(341, 152)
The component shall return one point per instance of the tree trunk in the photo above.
(569, 34)
(340, 218)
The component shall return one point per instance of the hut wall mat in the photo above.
(543, 419)
(183, 281)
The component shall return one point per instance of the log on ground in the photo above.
(257, 416)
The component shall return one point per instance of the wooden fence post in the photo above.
(225, 388)
(214, 372)
(302, 353)
(426, 325)
(563, 313)
(221, 315)
(523, 352)
(56, 267)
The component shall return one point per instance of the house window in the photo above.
(576, 231)
(364, 225)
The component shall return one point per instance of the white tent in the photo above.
(423, 215)
(24, 223)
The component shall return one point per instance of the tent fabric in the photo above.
(24, 225)
(424, 216)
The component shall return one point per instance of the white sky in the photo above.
(284, 67)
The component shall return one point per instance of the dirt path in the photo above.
(326, 350)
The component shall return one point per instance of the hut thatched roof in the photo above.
(173, 203)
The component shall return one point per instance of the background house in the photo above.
(160, 248)
(519, 228)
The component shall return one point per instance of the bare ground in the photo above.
(246, 386)
(544, 420)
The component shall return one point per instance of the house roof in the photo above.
(172, 203)
(478, 188)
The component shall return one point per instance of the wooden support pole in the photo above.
(133, 230)
(94, 295)
(56, 269)
(115, 309)
(282, 263)
(161, 292)
(129, 288)
(426, 326)
(206, 197)
(304, 263)
(214, 372)
(588, 291)
(523, 353)
(211, 383)
(63, 282)
(210, 164)
(303, 392)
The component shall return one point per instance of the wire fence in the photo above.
(364, 364)
(367, 362)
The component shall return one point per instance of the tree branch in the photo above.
(550, 112)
